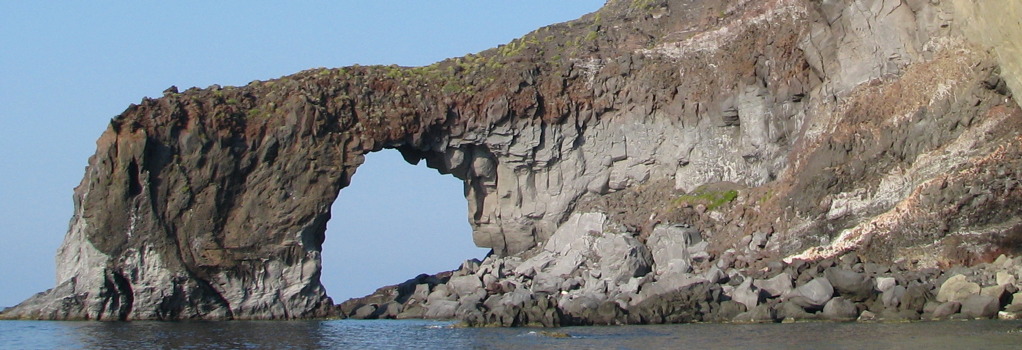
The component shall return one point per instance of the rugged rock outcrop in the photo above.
(623, 155)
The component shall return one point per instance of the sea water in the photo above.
(418, 334)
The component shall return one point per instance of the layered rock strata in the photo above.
(814, 129)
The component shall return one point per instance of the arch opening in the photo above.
(393, 222)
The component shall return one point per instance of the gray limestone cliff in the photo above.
(810, 128)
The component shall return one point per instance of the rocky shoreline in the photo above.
(592, 275)
(654, 161)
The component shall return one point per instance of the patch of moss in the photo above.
(645, 4)
(712, 199)
(766, 196)
(256, 113)
(452, 88)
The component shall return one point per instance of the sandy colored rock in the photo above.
(957, 288)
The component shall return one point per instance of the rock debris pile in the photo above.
(595, 275)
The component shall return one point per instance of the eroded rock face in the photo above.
(782, 129)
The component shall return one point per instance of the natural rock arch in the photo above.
(223, 205)
(212, 203)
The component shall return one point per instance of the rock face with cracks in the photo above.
(633, 159)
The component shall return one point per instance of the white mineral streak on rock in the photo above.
(902, 187)
(714, 39)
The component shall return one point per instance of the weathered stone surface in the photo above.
(915, 298)
(957, 288)
(775, 286)
(980, 306)
(1004, 278)
(892, 297)
(760, 314)
(946, 310)
(850, 284)
(622, 257)
(790, 129)
(815, 293)
(840, 309)
(441, 309)
(669, 246)
(792, 311)
(747, 294)
(465, 285)
(885, 283)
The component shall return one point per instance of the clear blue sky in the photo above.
(66, 68)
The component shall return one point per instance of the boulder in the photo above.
(947, 309)
(789, 310)
(441, 309)
(957, 288)
(577, 233)
(715, 275)
(760, 314)
(364, 311)
(815, 293)
(840, 309)
(670, 284)
(412, 310)
(388, 310)
(668, 245)
(1004, 278)
(547, 283)
(465, 285)
(885, 283)
(775, 286)
(999, 292)
(698, 252)
(980, 306)
(915, 298)
(421, 292)
(622, 257)
(571, 284)
(875, 269)
(518, 298)
(747, 294)
(468, 267)
(1009, 315)
(440, 292)
(850, 284)
(579, 306)
(729, 309)
(892, 297)
(758, 241)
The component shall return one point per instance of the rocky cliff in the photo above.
(772, 132)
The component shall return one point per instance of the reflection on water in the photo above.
(346, 334)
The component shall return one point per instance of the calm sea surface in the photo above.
(352, 334)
